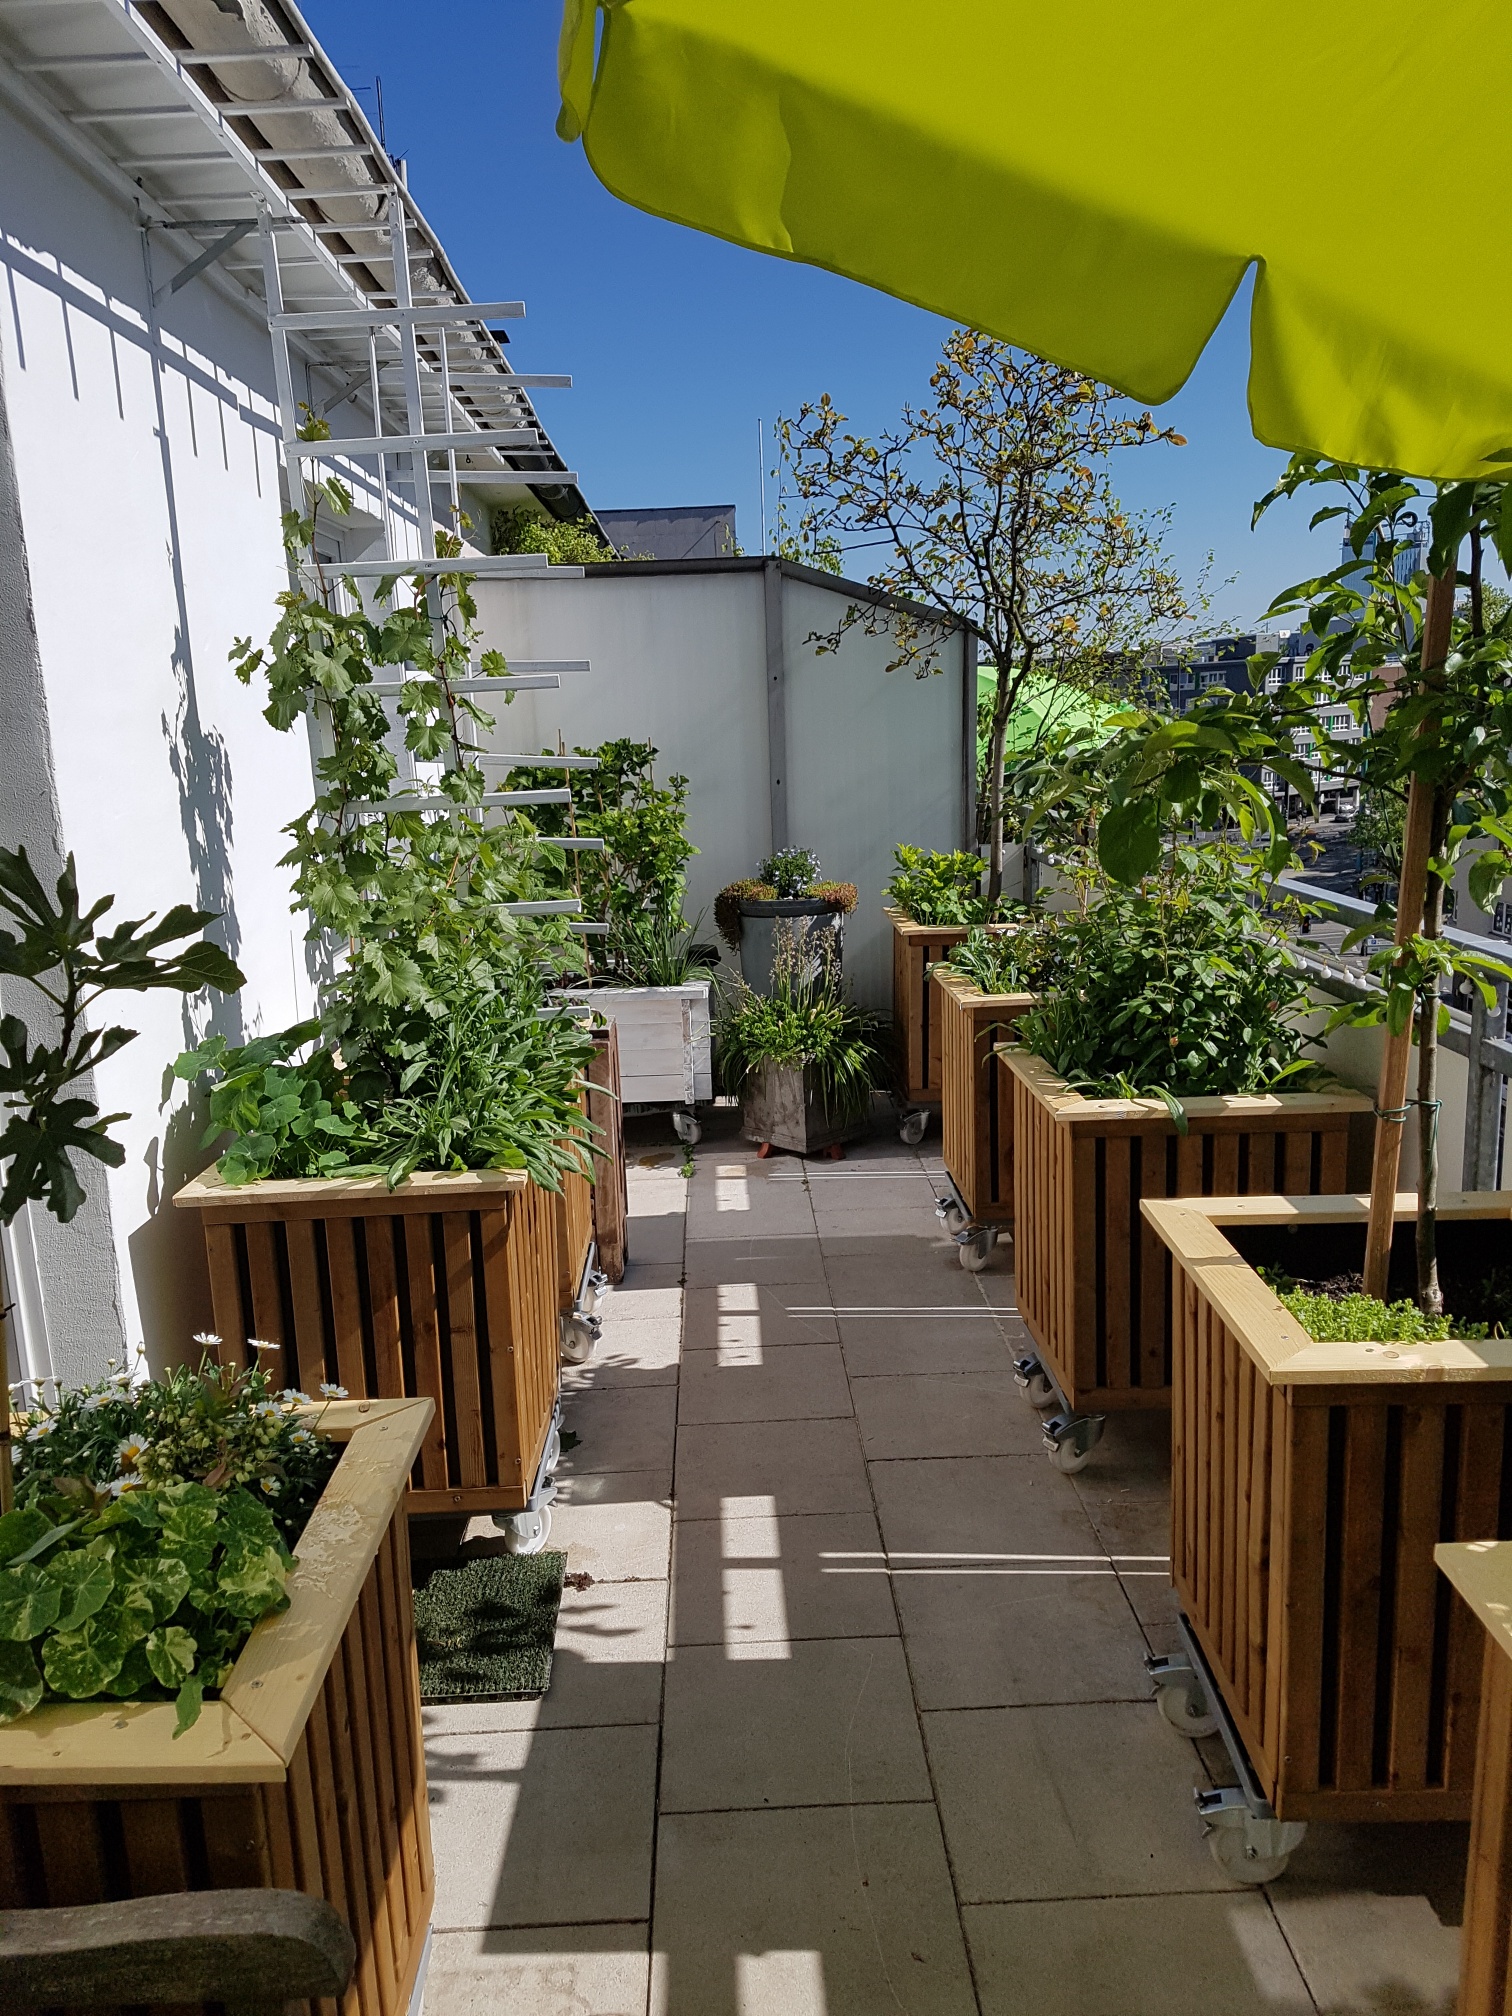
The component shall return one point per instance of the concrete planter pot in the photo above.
(814, 927)
(781, 1108)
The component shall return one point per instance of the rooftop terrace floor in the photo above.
(851, 1717)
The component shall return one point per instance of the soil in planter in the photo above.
(486, 1631)
(1475, 1263)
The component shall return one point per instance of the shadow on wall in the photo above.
(168, 1268)
(201, 767)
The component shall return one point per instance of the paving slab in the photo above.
(760, 1578)
(741, 1315)
(656, 1237)
(794, 1382)
(615, 1528)
(620, 1429)
(754, 1258)
(545, 1827)
(944, 1342)
(819, 1722)
(582, 1970)
(1126, 1956)
(611, 1648)
(805, 1466)
(1086, 1801)
(960, 1414)
(629, 1353)
(822, 1912)
(900, 1274)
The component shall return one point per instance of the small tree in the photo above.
(997, 509)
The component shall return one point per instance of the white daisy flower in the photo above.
(130, 1450)
(258, 1345)
(329, 1392)
(208, 1338)
(130, 1482)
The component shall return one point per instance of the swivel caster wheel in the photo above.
(912, 1128)
(976, 1251)
(1071, 1438)
(688, 1128)
(553, 1454)
(580, 1336)
(951, 1215)
(1031, 1376)
(525, 1532)
(1184, 1705)
(1247, 1849)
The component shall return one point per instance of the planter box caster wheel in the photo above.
(1181, 1697)
(1246, 1848)
(688, 1128)
(951, 1215)
(525, 1532)
(912, 1128)
(975, 1250)
(580, 1336)
(553, 1454)
(1029, 1374)
(1071, 1438)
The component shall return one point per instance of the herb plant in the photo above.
(655, 950)
(145, 1594)
(808, 1019)
(1020, 960)
(1364, 1319)
(934, 888)
(1181, 986)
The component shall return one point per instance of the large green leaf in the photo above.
(82, 1662)
(250, 1580)
(20, 1682)
(86, 1581)
(1128, 839)
(163, 1582)
(19, 1531)
(172, 1653)
(29, 1602)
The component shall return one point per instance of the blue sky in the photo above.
(679, 344)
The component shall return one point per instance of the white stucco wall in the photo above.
(870, 758)
(147, 474)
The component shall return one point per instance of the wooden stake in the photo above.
(1412, 890)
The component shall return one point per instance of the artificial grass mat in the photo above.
(485, 1631)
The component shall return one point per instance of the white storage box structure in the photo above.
(665, 1048)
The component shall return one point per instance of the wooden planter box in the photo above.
(976, 1117)
(445, 1289)
(1309, 1485)
(1482, 1574)
(1094, 1284)
(307, 1774)
(611, 1196)
(916, 1026)
(666, 1052)
(780, 1108)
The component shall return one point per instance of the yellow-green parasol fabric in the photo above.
(1092, 182)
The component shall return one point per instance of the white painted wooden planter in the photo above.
(665, 1048)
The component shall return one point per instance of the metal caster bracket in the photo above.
(913, 1126)
(952, 1214)
(1038, 1387)
(1246, 1840)
(1071, 1438)
(1181, 1695)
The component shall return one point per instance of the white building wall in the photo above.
(148, 483)
(679, 657)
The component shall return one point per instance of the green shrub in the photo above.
(1017, 961)
(1363, 1319)
(807, 1019)
(1182, 986)
(934, 888)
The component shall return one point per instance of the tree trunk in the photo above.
(995, 805)
(1430, 1295)
(1412, 896)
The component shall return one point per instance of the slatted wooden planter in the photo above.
(572, 1208)
(1093, 1281)
(916, 1026)
(611, 1196)
(1482, 1574)
(1309, 1485)
(446, 1288)
(307, 1774)
(976, 1117)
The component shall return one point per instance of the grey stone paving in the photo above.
(902, 1755)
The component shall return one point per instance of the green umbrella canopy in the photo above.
(1093, 182)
